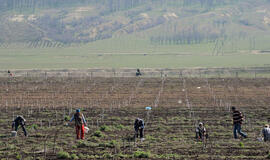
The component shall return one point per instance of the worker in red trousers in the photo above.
(79, 123)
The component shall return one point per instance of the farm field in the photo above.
(80, 58)
(111, 105)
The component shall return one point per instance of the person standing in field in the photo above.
(266, 133)
(201, 132)
(138, 73)
(139, 127)
(237, 122)
(80, 122)
(19, 121)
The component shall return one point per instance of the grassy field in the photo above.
(129, 52)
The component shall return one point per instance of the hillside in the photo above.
(54, 23)
(57, 34)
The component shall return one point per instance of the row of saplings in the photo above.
(201, 133)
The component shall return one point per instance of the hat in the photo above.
(200, 123)
(266, 125)
(78, 110)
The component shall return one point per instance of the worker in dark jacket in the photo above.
(237, 122)
(79, 123)
(19, 121)
(266, 133)
(139, 126)
(138, 73)
(201, 133)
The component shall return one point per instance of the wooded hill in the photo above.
(54, 23)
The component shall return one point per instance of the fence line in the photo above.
(253, 72)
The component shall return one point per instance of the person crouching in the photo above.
(139, 126)
(19, 121)
(80, 122)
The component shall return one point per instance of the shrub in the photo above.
(81, 156)
(113, 143)
(74, 156)
(74, 146)
(66, 118)
(81, 144)
(241, 144)
(92, 144)
(107, 156)
(18, 156)
(104, 128)
(142, 154)
(34, 126)
(98, 134)
(119, 126)
(93, 139)
(63, 155)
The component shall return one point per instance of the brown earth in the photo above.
(110, 105)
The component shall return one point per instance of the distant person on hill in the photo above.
(266, 133)
(138, 73)
(19, 121)
(138, 127)
(201, 133)
(80, 122)
(237, 122)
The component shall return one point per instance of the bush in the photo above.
(119, 126)
(98, 134)
(66, 118)
(142, 154)
(81, 156)
(63, 155)
(107, 156)
(34, 126)
(93, 139)
(113, 144)
(104, 128)
(241, 144)
(82, 144)
(18, 156)
(74, 156)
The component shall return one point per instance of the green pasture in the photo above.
(78, 58)
(130, 52)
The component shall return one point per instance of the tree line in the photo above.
(111, 5)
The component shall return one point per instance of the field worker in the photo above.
(138, 73)
(237, 122)
(79, 123)
(19, 121)
(139, 126)
(266, 133)
(201, 132)
(9, 73)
